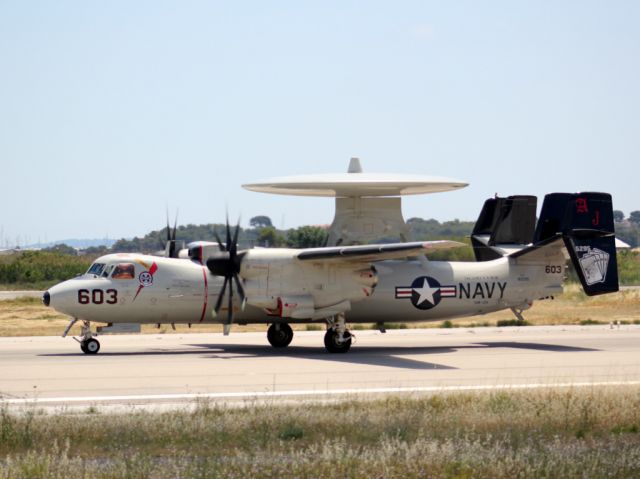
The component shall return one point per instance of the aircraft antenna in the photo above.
(354, 165)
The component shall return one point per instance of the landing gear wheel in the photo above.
(280, 335)
(90, 346)
(334, 345)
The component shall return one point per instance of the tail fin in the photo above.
(585, 221)
(503, 224)
(582, 221)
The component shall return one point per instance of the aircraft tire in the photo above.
(280, 337)
(90, 346)
(332, 344)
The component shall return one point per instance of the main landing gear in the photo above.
(88, 344)
(337, 339)
(280, 335)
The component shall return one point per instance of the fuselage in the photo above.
(136, 288)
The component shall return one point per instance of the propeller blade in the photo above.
(229, 244)
(220, 244)
(175, 227)
(235, 236)
(168, 226)
(221, 296)
(230, 304)
(240, 289)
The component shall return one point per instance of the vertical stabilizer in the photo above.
(503, 223)
(585, 221)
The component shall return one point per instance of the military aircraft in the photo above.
(518, 261)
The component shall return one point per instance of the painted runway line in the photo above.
(309, 393)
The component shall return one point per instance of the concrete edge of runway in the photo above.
(171, 402)
(239, 333)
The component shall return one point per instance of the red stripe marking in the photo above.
(138, 292)
(206, 294)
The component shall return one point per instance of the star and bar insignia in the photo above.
(425, 292)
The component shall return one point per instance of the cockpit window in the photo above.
(107, 271)
(124, 271)
(96, 268)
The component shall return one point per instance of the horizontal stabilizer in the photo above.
(531, 250)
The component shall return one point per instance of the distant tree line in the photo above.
(61, 262)
(261, 232)
(628, 229)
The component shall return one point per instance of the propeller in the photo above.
(226, 263)
(170, 248)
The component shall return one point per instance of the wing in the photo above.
(375, 252)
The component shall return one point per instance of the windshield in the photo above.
(107, 271)
(96, 268)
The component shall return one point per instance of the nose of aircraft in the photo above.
(60, 296)
(46, 298)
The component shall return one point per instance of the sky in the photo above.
(112, 111)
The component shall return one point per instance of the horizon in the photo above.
(106, 239)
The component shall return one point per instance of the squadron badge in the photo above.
(594, 263)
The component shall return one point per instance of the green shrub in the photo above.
(588, 321)
(30, 267)
(512, 322)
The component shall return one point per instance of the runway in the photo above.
(8, 295)
(178, 368)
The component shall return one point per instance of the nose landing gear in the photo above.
(88, 344)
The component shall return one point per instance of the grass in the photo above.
(572, 307)
(28, 317)
(590, 432)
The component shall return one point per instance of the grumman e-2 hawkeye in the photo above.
(518, 261)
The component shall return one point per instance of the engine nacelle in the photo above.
(201, 250)
(366, 277)
(276, 281)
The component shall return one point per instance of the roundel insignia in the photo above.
(425, 292)
(145, 278)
